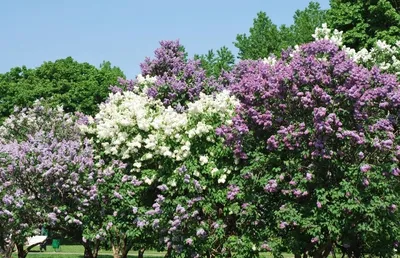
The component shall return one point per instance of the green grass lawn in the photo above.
(76, 251)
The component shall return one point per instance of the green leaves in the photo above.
(365, 22)
(215, 64)
(75, 86)
(266, 38)
(262, 41)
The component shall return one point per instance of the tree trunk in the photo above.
(124, 253)
(297, 255)
(141, 253)
(328, 249)
(7, 251)
(125, 248)
(333, 251)
(22, 253)
(91, 252)
(95, 252)
(169, 253)
(116, 251)
(88, 252)
(324, 251)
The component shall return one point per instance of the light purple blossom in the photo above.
(272, 186)
(365, 168)
(162, 187)
(233, 191)
(189, 241)
(283, 224)
(201, 233)
(141, 223)
(117, 195)
(109, 225)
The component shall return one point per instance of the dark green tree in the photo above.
(266, 38)
(363, 22)
(76, 86)
(305, 22)
(214, 64)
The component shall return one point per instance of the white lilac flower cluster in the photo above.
(146, 79)
(383, 55)
(144, 83)
(131, 125)
(271, 60)
(325, 33)
(220, 106)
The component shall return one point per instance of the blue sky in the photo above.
(124, 32)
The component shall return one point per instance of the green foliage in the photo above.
(214, 64)
(365, 22)
(263, 39)
(76, 86)
(304, 25)
(266, 38)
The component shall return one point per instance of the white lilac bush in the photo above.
(174, 161)
(179, 179)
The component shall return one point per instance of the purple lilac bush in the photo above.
(319, 136)
(45, 169)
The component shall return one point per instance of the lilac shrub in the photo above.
(43, 173)
(180, 188)
(318, 135)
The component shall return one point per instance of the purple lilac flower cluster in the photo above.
(178, 80)
(310, 99)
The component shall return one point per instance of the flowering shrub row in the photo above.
(298, 154)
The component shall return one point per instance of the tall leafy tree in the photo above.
(365, 22)
(215, 63)
(305, 22)
(266, 38)
(263, 40)
(76, 86)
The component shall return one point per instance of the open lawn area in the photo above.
(76, 251)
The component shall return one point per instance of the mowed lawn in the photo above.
(76, 251)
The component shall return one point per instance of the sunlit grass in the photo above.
(76, 251)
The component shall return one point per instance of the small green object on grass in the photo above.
(56, 245)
